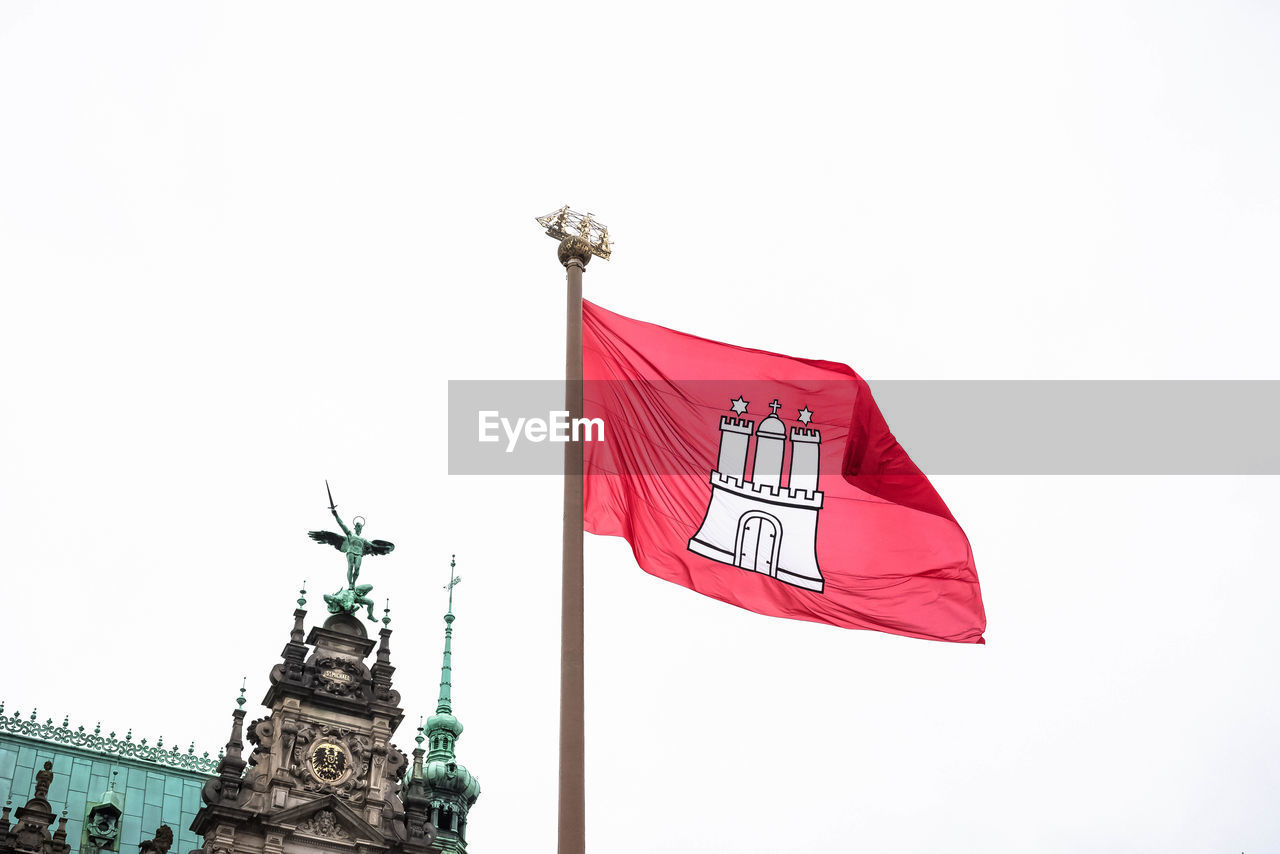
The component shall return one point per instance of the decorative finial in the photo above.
(775, 406)
(111, 786)
(453, 580)
(302, 595)
(580, 235)
(240, 699)
(386, 613)
(420, 737)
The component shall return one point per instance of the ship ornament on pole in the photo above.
(354, 596)
(584, 236)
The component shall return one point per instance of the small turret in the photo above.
(382, 670)
(771, 440)
(102, 824)
(735, 433)
(225, 788)
(295, 651)
(417, 801)
(805, 442)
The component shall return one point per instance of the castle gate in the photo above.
(758, 542)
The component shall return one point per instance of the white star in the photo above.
(739, 405)
(805, 415)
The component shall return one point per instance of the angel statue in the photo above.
(355, 547)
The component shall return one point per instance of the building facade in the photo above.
(320, 772)
(150, 785)
(324, 773)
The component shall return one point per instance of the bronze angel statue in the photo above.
(355, 547)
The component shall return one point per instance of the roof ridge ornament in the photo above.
(107, 745)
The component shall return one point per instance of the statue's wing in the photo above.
(327, 538)
(380, 547)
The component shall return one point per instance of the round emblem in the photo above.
(330, 763)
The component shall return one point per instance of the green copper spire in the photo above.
(446, 668)
(450, 788)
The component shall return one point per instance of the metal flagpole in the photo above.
(580, 237)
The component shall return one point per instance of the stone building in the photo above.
(30, 830)
(321, 773)
(149, 784)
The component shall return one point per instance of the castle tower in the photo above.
(734, 434)
(804, 459)
(449, 788)
(323, 774)
(771, 440)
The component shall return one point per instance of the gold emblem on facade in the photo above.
(330, 763)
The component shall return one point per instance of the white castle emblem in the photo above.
(746, 519)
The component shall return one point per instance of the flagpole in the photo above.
(573, 818)
(574, 252)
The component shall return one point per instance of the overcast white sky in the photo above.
(243, 248)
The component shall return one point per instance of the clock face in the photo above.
(329, 762)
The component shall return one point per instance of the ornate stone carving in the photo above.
(261, 733)
(161, 844)
(325, 824)
(30, 837)
(331, 759)
(338, 676)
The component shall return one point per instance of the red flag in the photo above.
(768, 482)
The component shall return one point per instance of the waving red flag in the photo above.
(768, 482)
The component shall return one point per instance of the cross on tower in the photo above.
(775, 406)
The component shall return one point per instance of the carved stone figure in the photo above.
(161, 844)
(325, 824)
(44, 777)
(298, 758)
(351, 600)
